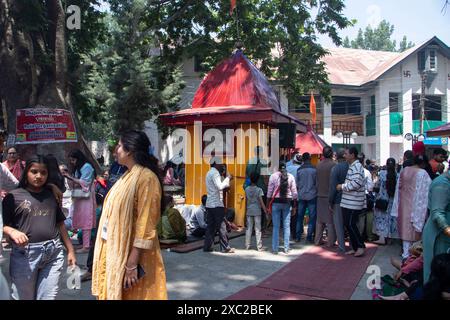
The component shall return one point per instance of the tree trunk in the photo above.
(26, 83)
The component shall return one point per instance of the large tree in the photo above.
(39, 60)
(280, 35)
(378, 38)
(117, 84)
(125, 82)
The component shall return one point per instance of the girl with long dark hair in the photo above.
(385, 225)
(127, 258)
(34, 222)
(281, 193)
(82, 178)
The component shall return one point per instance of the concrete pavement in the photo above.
(198, 275)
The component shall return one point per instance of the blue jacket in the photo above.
(307, 182)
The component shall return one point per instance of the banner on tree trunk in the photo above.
(44, 125)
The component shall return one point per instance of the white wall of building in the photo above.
(378, 147)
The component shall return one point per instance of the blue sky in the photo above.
(419, 20)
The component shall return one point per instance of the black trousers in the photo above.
(90, 258)
(198, 232)
(215, 223)
(351, 218)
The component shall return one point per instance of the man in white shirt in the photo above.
(215, 208)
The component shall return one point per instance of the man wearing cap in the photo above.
(214, 207)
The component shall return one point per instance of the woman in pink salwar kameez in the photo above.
(83, 175)
(411, 202)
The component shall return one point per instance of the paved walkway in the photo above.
(199, 275)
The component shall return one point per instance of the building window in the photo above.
(394, 99)
(303, 105)
(372, 106)
(346, 105)
(198, 64)
(433, 107)
(427, 60)
(432, 58)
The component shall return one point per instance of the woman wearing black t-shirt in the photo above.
(35, 224)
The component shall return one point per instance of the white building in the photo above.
(375, 94)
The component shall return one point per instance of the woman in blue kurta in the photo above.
(436, 233)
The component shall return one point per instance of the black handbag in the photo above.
(381, 204)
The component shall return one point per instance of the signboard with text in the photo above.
(44, 125)
(435, 141)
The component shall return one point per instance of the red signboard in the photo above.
(44, 125)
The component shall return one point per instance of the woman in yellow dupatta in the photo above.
(127, 235)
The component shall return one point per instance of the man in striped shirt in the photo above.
(353, 200)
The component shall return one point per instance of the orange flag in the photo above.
(312, 108)
(233, 5)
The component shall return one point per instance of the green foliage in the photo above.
(279, 35)
(123, 85)
(405, 44)
(117, 84)
(378, 39)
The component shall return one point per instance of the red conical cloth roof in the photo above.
(309, 142)
(235, 82)
(441, 131)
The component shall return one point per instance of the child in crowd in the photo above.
(255, 206)
(34, 222)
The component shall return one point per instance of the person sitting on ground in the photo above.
(254, 205)
(197, 222)
(230, 213)
(408, 278)
(171, 226)
(437, 288)
(410, 269)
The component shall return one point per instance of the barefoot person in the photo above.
(353, 200)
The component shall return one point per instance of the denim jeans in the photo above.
(1, 233)
(312, 208)
(35, 270)
(282, 210)
(4, 290)
(256, 221)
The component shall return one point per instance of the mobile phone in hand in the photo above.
(140, 274)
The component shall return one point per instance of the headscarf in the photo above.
(419, 148)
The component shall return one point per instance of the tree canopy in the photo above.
(123, 66)
(279, 35)
(378, 39)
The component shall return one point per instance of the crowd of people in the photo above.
(121, 214)
(347, 196)
(114, 214)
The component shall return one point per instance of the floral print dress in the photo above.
(385, 225)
